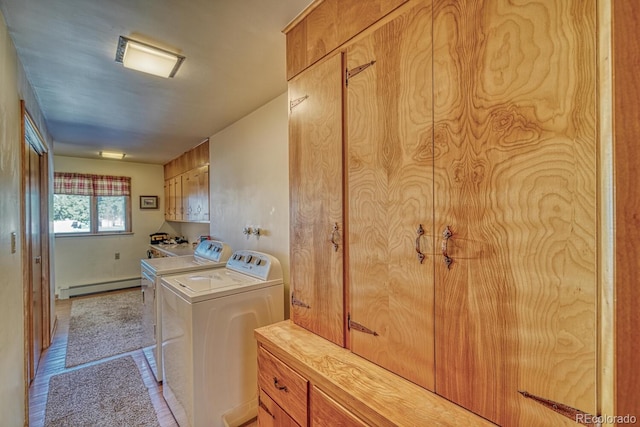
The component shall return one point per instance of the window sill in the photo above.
(119, 233)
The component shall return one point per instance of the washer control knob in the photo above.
(249, 258)
(258, 261)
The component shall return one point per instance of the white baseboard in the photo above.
(72, 291)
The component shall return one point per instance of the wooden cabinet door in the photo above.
(272, 415)
(515, 180)
(204, 192)
(168, 183)
(328, 25)
(178, 202)
(324, 411)
(191, 196)
(316, 199)
(390, 197)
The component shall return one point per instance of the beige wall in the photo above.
(13, 87)
(91, 259)
(249, 176)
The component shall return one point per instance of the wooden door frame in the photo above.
(43, 151)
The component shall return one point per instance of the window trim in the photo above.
(94, 186)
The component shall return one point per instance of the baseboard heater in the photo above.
(92, 288)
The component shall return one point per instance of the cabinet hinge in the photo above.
(352, 72)
(576, 415)
(295, 301)
(293, 104)
(358, 327)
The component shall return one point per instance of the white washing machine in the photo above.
(208, 348)
(209, 254)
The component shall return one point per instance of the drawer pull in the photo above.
(278, 386)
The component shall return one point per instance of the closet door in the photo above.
(515, 179)
(390, 196)
(316, 199)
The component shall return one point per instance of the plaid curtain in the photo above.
(81, 184)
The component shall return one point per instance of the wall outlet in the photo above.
(117, 255)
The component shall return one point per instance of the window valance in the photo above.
(81, 184)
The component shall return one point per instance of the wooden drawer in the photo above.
(271, 415)
(283, 385)
(325, 411)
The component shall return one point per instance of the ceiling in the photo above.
(235, 62)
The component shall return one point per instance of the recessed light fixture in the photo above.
(111, 155)
(150, 59)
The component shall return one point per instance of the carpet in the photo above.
(106, 325)
(109, 394)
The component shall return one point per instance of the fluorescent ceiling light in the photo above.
(110, 155)
(147, 58)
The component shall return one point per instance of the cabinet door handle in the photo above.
(277, 385)
(420, 233)
(334, 232)
(446, 234)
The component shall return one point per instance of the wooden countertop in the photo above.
(372, 393)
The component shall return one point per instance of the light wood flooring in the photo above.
(52, 363)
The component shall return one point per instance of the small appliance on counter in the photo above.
(157, 238)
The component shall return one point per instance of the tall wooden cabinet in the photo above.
(470, 140)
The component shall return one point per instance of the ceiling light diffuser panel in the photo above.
(149, 59)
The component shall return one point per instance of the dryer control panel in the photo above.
(256, 264)
(213, 250)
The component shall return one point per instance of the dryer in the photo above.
(208, 348)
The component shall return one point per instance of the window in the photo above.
(91, 204)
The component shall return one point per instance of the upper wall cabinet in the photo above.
(186, 186)
(326, 25)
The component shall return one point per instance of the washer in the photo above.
(208, 348)
(209, 254)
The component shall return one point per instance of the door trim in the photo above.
(30, 136)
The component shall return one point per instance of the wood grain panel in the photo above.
(626, 38)
(373, 394)
(288, 389)
(329, 25)
(324, 411)
(390, 193)
(271, 415)
(515, 179)
(296, 49)
(316, 199)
